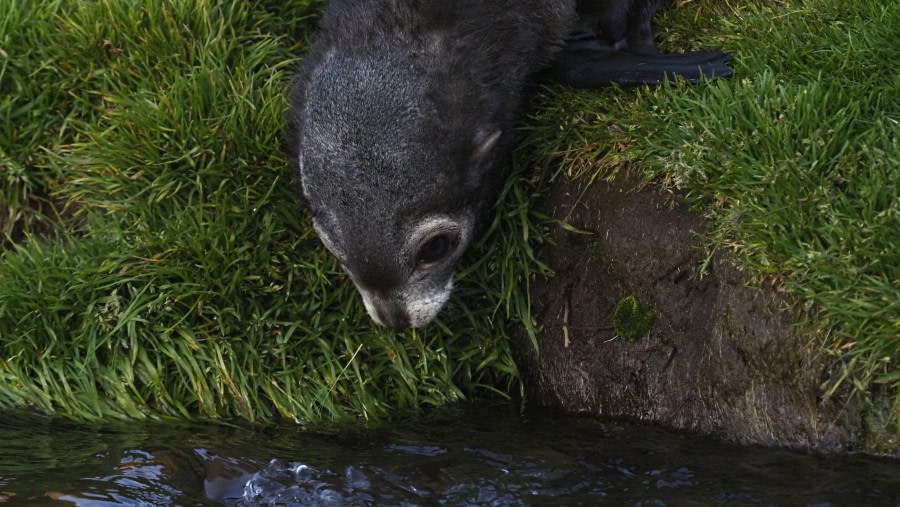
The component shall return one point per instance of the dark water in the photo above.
(468, 455)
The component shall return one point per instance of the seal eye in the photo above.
(436, 248)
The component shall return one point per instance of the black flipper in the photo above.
(591, 64)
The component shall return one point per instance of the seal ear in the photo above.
(297, 181)
(485, 141)
(481, 171)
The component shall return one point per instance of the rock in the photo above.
(720, 357)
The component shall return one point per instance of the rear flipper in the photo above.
(593, 65)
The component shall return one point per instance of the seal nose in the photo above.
(387, 310)
(393, 317)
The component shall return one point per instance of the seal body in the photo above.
(401, 122)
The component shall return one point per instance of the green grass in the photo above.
(181, 278)
(34, 107)
(797, 163)
(795, 160)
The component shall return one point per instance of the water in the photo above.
(467, 455)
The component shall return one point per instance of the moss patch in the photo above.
(630, 319)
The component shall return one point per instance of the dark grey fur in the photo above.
(402, 118)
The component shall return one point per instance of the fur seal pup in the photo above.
(404, 110)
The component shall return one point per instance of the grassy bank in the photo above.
(795, 160)
(173, 273)
(797, 163)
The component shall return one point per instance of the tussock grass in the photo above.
(795, 160)
(185, 280)
(34, 106)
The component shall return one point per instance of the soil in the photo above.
(721, 357)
